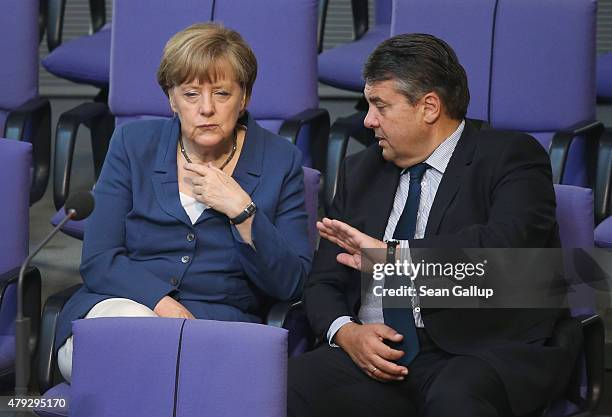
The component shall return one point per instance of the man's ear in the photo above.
(432, 107)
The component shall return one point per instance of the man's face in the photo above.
(398, 125)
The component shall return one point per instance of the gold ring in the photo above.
(374, 369)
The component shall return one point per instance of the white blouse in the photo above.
(192, 207)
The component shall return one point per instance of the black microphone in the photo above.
(78, 206)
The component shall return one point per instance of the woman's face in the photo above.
(208, 111)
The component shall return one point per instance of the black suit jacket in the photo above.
(496, 192)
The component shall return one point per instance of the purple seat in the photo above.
(603, 234)
(604, 77)
(15, 157)
(518, 78)
(176, 367)
(284, 96)
(533, 88)
(575, 217)
(84, 60)
(341, 66)
(469, 24)
(23, 115)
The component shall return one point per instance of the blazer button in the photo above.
(190, 237)
(173, 281)
(185, 259)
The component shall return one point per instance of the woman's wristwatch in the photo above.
(246, 213)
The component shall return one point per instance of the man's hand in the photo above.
(169, 307)
(351, 240)
(364, 344)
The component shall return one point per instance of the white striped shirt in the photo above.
(371, 306)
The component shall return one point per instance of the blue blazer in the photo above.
(140, 244)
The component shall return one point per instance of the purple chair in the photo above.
(534, 90)
(15, 159)
(176, 367)
(581, 398)
(23, 115)
(604, 78)
(286, 315)
(85, 60)
(518, 79)
(341, 66)
(603, 190)
(284, 97)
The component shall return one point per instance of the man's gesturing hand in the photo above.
(364, 344)
(349, 239)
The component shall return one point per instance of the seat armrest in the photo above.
(593, 346)
(46, 348)
(360, 18)
(340, 132)
(32, 122)
(603, 182)
(318, 121)
(291, 316)
(55, 19)
(561, 141)
(95, 116)
(31, 295)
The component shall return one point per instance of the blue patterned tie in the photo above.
(402, 319)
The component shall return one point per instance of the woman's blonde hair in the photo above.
(202, 52)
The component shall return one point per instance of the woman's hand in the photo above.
(169, 307)
(217, 190)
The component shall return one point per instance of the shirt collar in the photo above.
(441, 156)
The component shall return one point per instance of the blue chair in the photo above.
(84, 60)
(341, 66)
(15, 159)
(284, 98)
(23, 114)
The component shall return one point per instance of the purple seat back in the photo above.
(140, 29)
(286, 51)
(200, 367)
(15, 158)
(19, 47)
(284, 87)
(576, 224)
(467, 26)
(382, 12)
(539, 86)
(312, 179)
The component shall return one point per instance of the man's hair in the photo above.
(203, 52)
(421, 63)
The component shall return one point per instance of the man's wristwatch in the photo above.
(246, 213)
(391, 250)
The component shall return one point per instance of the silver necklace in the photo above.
(229, 157)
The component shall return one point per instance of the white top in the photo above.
(192, 207)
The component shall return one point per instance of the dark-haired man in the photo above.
(433, 181)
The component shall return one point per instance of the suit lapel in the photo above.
(165, 181)
(451, 180)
